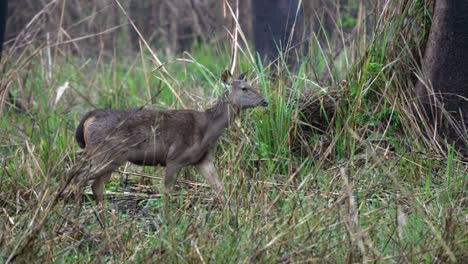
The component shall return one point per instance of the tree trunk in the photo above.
(445, 64)
(3, 17)
(5, 95)
(273, 25)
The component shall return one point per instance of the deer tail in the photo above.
(80, 130)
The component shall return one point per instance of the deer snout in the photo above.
(265, 103)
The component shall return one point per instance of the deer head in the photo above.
(241, 94)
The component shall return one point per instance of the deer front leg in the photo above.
(208, 171)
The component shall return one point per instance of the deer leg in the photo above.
(78, 193)
(98, 187)
(208, 171)
(98, 192)
(100, 173)
(171, 175)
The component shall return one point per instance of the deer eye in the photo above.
(244, 89)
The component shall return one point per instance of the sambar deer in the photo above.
(173, 138)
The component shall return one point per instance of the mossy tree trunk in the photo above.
(445, 64)
(3, 17)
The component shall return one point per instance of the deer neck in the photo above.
(220, 116)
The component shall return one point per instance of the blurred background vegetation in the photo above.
(176, 26)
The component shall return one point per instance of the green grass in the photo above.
(371, 189)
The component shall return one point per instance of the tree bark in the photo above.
(3, 13)
(445, 64)
(8, 97)
(3, 18)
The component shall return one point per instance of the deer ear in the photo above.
(226, 77)
(243, 76)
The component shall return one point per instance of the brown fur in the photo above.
(174, 138)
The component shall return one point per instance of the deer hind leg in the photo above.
(98, 187)
(171, 176)
(98, 192)
(100, 172)
(208, 171)
(76, 186)
(78, 193)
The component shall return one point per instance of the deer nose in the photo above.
(265, 103)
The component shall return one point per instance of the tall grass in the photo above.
(373, 187)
